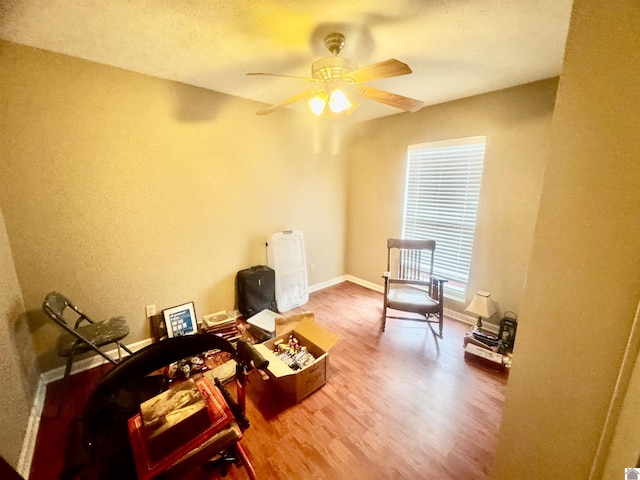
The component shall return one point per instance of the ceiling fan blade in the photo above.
(302, 96)
(295, 77)
(388, 98)
(375, 71)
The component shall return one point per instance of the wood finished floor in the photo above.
(397, 405)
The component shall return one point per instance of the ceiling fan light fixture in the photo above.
(339, 102)
(334, 106)
(333, 75)
(342, 114)
(332, 68)
(317, 104)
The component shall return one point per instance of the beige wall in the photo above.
(517, 123)
(583, 283)
(17, 367)
(123, 190)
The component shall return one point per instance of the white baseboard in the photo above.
(328, 283)
(31, 434)
(365, 283)
(90, 362)
(347, 278)
(463, 317)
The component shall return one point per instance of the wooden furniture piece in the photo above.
(82, 334)
(409, 283)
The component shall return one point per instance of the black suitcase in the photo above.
(256, 288)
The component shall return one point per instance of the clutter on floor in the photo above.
(178, 423)
(262, 325)
(297, 349)
(173, 418)
(293, 353)
(292, 334)
(196, 364)
(222, 324)
(494, 352)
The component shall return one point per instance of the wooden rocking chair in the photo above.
(409, 284)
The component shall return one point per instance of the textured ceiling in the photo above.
(456, 48)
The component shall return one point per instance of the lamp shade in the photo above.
(338, 101)
(481, 305)
(332, 103)
(317, 104)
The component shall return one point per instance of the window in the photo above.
(442, 190)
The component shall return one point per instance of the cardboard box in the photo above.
(298, 384)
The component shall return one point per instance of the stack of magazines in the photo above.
(222, 324)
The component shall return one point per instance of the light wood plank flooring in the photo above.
(397, 405)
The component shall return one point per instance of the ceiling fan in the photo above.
(338, 82)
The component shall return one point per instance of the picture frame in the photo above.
(158, 327)
(180, 320)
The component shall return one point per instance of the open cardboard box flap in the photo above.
(305, 325)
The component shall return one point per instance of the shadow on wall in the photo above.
(24, 349)
(193, 104)
(44, 334)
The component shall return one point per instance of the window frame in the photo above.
(454, 161)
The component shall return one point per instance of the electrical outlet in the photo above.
(150, 310)
(312, 267)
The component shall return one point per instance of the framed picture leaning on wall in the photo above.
(180, 320)
(158, 327)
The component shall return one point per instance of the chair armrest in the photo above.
(437, 288)
(386, 274)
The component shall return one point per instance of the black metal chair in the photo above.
(82, 334)
(409, 283)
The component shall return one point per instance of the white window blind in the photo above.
(442, 190)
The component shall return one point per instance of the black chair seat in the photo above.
(99, 334)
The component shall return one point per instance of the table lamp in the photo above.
(482, 306)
